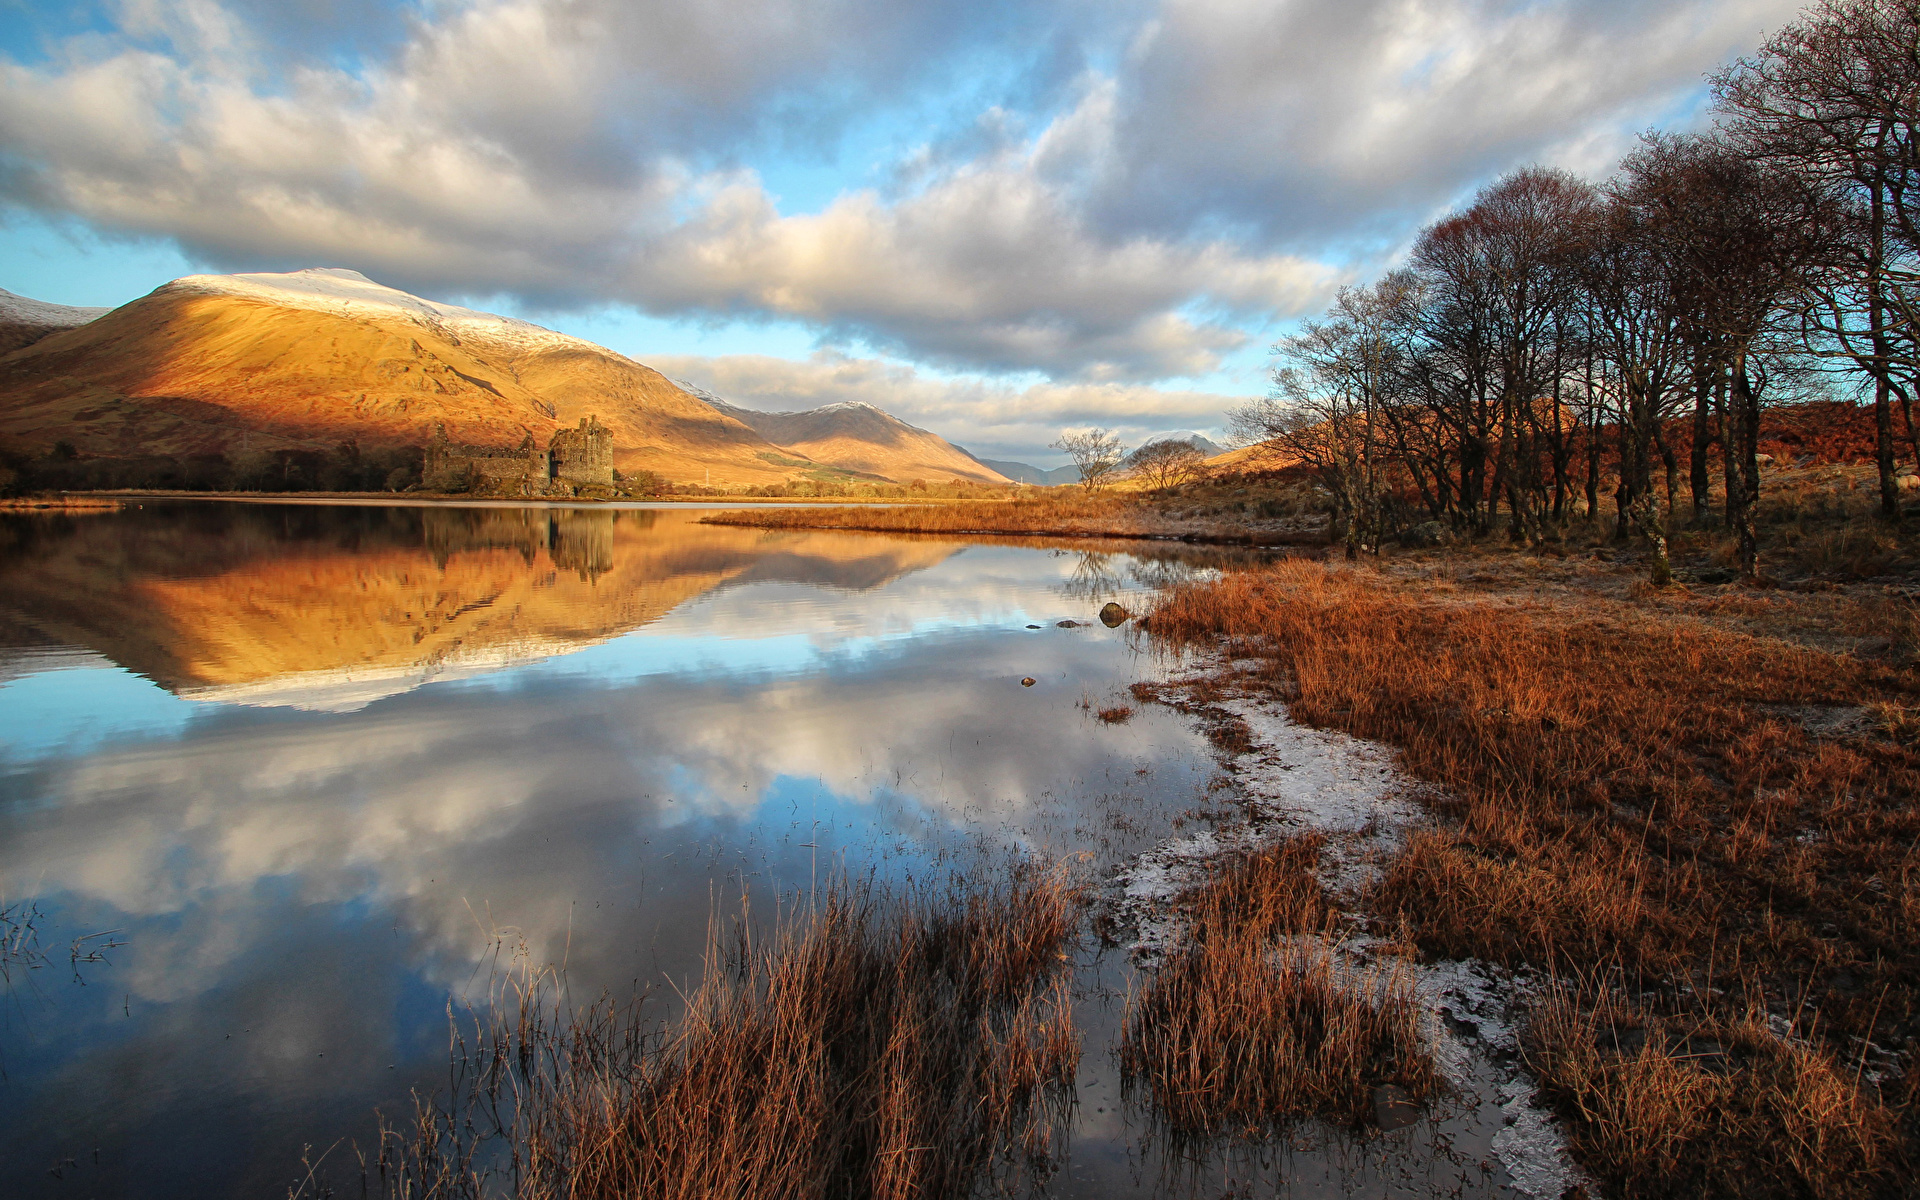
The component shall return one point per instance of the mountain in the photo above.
(222, 363)
(24, 322)
(1200, 442)
(1021, 472)
(1024, 473)
(861, 438)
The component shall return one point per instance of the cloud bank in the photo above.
(993, 419)
(1103, 194)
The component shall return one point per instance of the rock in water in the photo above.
(1029, 681)
(1112, 615)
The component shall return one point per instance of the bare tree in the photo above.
(1836, 97)
(1739, 241)
(1096, 454)
(1167, 463)
(1327, 407)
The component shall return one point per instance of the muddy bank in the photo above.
(1351, 805)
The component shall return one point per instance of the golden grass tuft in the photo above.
(1251, 1023)
(875, 1046)
(1679, 1107)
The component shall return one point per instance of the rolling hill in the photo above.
(861, 438)
(218, 363)
(24, 321)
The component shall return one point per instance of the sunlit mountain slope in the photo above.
(224, 363)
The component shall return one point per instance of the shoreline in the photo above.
(1601, 884)
(120, 499)
(1294, 780)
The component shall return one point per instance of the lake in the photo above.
(278, 782)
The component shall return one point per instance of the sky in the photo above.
(997, 219)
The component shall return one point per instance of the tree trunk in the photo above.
(1593, 470)
(1729, 456)
(1746, 416)
(1697, 478)
(1646, 515)
(1671, 462)
(1906, 412)
(1883, 447)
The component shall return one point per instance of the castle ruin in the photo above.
(582, 457)
(576, 461)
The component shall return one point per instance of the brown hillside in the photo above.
(656, 426)
(218, 364)
(859, 437)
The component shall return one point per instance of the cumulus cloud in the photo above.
(1327, 120)
(1100, 193)
(991, 418)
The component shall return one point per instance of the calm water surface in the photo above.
(298, 772)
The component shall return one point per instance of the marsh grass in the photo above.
(1626, 792)
(1693, 1104)
(872, 1045)
(1252, 1022)
(1064, 510)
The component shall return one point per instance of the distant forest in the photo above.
(1562, 336)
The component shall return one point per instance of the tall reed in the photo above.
(1251, 1022)
(874, 1044)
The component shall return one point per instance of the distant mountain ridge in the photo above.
(24, 321)
(1021, 472)
(308, 359)
(856, 436)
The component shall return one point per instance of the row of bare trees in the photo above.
(1101, 457)
(1559, 332)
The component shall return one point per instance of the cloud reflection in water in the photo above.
(702, 711)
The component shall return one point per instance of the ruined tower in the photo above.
(582, 456)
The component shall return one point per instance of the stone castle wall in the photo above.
(583, 456)
(575, 459)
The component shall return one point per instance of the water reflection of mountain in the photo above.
(331, 608)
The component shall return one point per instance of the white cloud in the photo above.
(992, 419)
(1127, 223)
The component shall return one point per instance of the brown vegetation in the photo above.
(1247, 1025)
(1191, 514)
(1652, 795)
(875, 1046)
(1696, 1104)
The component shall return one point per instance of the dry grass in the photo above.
(1626, 793)
(1119, 714)
(1062, 513)
(1251, 1023)
(876, 1046)
(1661, 1102)
(1054, 512)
